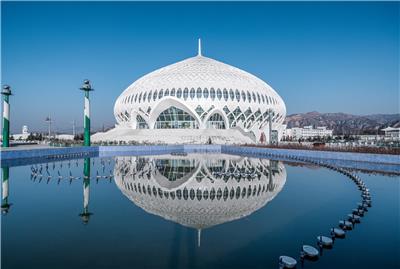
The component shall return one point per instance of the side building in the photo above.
(306, 132)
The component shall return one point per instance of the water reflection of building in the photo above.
(199, 192)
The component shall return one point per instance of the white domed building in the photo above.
(194, 100)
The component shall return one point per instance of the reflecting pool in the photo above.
(194, 211)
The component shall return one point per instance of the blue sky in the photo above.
(328, 57)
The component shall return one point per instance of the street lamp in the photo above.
(86, 87)
(6, 92)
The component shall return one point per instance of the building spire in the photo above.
(199, 52)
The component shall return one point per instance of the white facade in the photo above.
(307, 132)
(392, 133)
(202, 96)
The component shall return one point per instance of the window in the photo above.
(140, 97)
(173, 92)
(154, 95)
(216, 121)
(166, 92)
(149, 97)
(160, 94)
(136, 97)
(219, 94)
(237, 111)
(226, 110)
(263, 99)
(144, 96)
(192, 93)
(185, 93)
(175, 118)
(258, 98)
(205, 93)
(199, 110)
(179, 93)
(141, 123)
(248, 97)
(231, 94)
(237, 94)
(198, 93)
(212, 94)
(254, 97)
(243, 96)
(225, 95)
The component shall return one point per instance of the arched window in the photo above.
(173, 92)
(266, 97)
(166, 92)
(254, 97)
(212, 94)
(258, 98)
(231, 94)
(149, 97)
(179, 93)
(205, 93)
(160, 94)
(140, 97)
(225, 95)
(136, 97)
(198, 93)
(219, 94)
(192, 93)
(141, 123)
(216, 121)
(263, 99)
(185, 93)
(154, 95)
(144, 96)
(237, 94)
(175, 118)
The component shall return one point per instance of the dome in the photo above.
(203, 95)
(200, 72)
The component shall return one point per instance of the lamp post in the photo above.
(86, 87)
(6, 92)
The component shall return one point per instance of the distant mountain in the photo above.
(343, 123)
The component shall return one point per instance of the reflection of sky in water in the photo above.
(44, 229)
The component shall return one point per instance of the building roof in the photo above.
(390, 129)
(200, 72)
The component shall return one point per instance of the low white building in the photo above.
(392, 133)
(307, 132)
(24, 135)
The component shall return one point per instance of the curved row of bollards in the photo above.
(308, 252)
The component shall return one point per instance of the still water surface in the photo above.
(196, 211)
